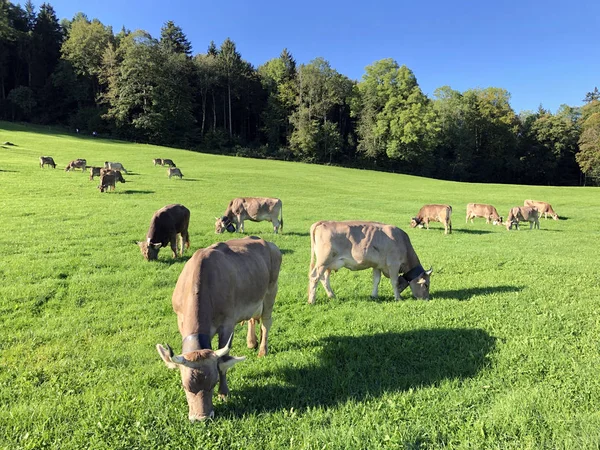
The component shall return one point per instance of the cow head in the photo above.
(414, 222)
(199, 375)
(420, 285)
(149, 250)
(222, 224)
(498, 221)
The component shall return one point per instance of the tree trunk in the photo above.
(203, 113)
(214, 105)
(229, 97)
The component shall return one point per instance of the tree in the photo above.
(231, 65)
(174, 40)
(588, 157)
(22, 98)
(207, 78)
(592, 96)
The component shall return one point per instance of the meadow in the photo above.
(506, 354)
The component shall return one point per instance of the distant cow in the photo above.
(482, 210)
(95, 172)
(158, 161)
(543, 208)
(255, 209)
(434, 213)
(364, 245)
(220, 286)
(165, 224)
(174, 172)
(114, 166)
(47, 160)
(76, 164)
(109, 179)
(168, 162)
(522, 214)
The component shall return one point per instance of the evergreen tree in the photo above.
(173, 39)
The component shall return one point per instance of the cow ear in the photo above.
(166, 355)
(227, 363)
(430, 271)
(159, 245)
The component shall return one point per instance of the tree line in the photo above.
(80, 74)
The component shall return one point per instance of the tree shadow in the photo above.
(467, 294)
(132, 191)
(361, 367)
(469, 231)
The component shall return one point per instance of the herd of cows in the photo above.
(110, 173)
(237, 280)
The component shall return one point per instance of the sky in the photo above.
(542, 52)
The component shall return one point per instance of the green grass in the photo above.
(506, 354)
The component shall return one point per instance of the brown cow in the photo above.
(174, 172)
(165, 224)
(543, 208)
(220, 286)
(109, 178)
(434, 213)
(95, 171)
(255, 209)
(76, 164)
(114, 166)
(363, 245)
(519, 214)
(482, 210)
(47, 160)
(158, 161)
(168, 162)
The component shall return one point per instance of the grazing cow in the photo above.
(76, 164)
(482, 210)
(158, 161)
(174, 172)
(168, 162)
(108, 179)
(114, 166)
(434, 213)
(255, 209)
(363, 245)
(95, 172)
(543, 208)
(166, 223)
(47, 160)
(220, 286)
(522, 214)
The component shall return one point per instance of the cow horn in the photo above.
(178, 359)
(430, 271)
(225, 350)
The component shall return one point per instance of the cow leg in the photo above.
(394, 271)
(276, 225)
(326, 285)
(239, 225)
(174, 245)
(251, 337)
(225, 332)
(376, 278)
(313, 278)
(266, 319)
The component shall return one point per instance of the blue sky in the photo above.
(542, 52)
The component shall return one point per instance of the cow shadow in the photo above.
(468, 293)
(469, 231)
(363, 367)
(9, 171)
(286, 251)
(133, 191)
(294, 233)
(190, 179)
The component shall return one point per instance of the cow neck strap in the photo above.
(413, 273)
(195, 342)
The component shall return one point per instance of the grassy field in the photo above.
(506, 354)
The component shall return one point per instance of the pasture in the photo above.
(506, 354)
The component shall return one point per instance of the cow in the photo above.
(359, 245)
(165, 224)
(114, 166)
(434, 213)
(174, 172)
(158, 161)
(168, 162)
(522, 214)
(482, 210)
(95, 172)
(543, 208)
(76, 164)
(255, 209)
(220, 286)
(47, 160)
(109, 179)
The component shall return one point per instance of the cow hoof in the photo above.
(252, 344)
(223, 397)
(262, 353)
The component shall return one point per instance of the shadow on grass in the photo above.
(294, 233)
(170, 261)
(286, 251)
(132, 191)
(362, 367)
(466, 294)
(190, 179)
(469, 231)
(9, 171)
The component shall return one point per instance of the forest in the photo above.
(81, 75)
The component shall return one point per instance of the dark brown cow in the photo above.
(220, 286)
(174, 172)
(166, 223)
(434, 213)
(255, 209)
(365, 245)
(47, 160)
(95, 172)
(482, 210)
(76, 164)
(519, 214)
(168, 162)
(543, 208)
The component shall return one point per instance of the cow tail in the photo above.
(312, 245)
(281, 220)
